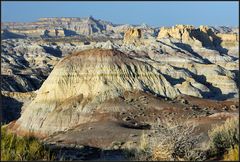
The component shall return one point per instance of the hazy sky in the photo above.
(151, 13)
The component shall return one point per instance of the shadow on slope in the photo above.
(86, 153)
(9, 35)
(53, 51)
(190, 50)
(11, 109)
(215, 93)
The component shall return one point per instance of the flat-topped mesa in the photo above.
(72, 26)
(132, 36)
(65, 18)
(45, 19)
(40, 32)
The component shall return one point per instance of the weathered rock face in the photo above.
(54, 33)
(201, 37)
(85, 26)
(230, 41)
(181, 32)
(216, 78)
(208, 38)
(229, 37)
(209, 43)
(132, 36)
(37, 32)
(200, 80)
(62, 27)
(187, 88)
(74, 88)
(25, 65)
(175, 32)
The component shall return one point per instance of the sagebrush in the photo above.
(172, 140)
(224, 137)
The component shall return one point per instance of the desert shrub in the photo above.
(224, 136)
(176, 140)
(22, 148)
(171, 140)
(142, 152)
(232, 154)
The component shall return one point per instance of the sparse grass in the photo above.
(22, 148)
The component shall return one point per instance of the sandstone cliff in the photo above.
(202, 36)
(186, 34)
(132, 36)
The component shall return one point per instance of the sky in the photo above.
(151, 13)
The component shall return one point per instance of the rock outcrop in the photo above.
(181, 32)
(62, 27)
(182, 50)
(74, 88)
(26, 64)
(187, 88)
(229, 39)
(204, 41)
(200, 37)
(132, 36)
(233, 37)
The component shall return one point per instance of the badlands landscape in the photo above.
(102, 91)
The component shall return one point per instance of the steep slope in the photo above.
(12, 103)
(132, 36)
(81, 81)
(184, 53)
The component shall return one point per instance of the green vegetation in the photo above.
(22, 148)
(232, 154)
(224, 138)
